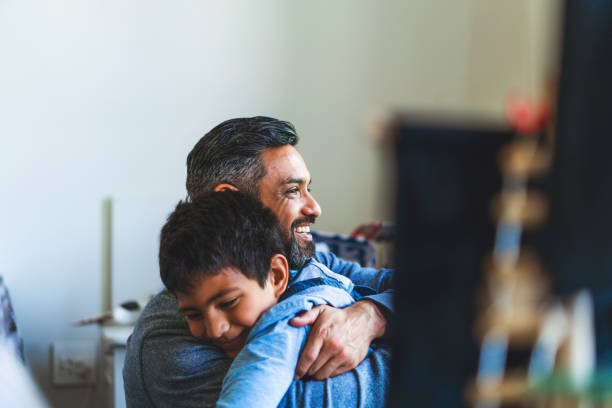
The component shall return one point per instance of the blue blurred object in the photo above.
(8, 327)
(345, 247)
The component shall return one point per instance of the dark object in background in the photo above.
(434, 354)
(576, 242)
(447, 176)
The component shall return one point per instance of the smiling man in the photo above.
(285, 189)
(166, 367)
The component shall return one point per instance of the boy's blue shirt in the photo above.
(166, 367)
(264, 369)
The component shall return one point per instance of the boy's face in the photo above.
(223, 308)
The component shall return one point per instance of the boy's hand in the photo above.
(339, 338)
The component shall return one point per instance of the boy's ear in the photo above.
(279, 274)
(224, 187)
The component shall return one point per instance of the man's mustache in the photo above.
(302, 220)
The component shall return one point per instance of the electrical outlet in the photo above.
(74, 362)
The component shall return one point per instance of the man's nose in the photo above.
(311, 206)
(216, 326)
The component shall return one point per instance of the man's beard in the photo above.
(299, 254)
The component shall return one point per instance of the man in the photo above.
(166, 366)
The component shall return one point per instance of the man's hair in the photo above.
(230, 152)
(217, 230)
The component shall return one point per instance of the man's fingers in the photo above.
(326, 355)
(309, 355)
(328, 368)
(306, 318)
(341, 369)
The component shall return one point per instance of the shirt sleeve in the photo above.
(264, 369)
(381, 280)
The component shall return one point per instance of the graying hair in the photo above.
(230, 153)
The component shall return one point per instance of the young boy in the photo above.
(222, 256)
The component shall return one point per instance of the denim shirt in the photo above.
(167, 367)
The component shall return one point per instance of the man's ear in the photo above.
(279, 274)
(224, 187)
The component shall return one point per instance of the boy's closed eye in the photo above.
(193, 316)
(228, 303)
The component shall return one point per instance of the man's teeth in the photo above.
(302, 229)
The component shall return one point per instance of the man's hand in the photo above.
(339, 338)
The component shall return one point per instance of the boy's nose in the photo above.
(216, 327)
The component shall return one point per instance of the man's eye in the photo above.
(228, 303)
(292, 192)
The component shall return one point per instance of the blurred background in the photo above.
(104, 99)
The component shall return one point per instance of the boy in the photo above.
(222, 256)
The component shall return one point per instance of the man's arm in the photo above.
(381, 280)
(340, 338)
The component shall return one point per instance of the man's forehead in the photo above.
(284, 165)
(296, 180)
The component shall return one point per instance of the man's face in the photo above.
(285, 190)
(223, 308)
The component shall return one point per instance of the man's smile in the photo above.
(301, 228)
(303, 232)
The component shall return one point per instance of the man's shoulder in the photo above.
(334, 263)
(163, 361)
(160, 310)
(323, 257)
(316, 269)
(161, 325)
(158, 328)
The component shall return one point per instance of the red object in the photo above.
(524, 115)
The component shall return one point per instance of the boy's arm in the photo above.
(367, 385)
(166, 367)
(264, 369)
(340, 338)
(263, 372)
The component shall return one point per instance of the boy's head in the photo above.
(222, 255)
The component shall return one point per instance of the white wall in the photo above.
(106, 98)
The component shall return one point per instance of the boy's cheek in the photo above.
(231, 353)
(197, 330)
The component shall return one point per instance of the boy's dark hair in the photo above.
(229, 153)
(216, 230)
